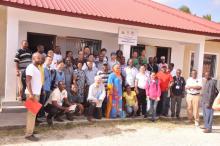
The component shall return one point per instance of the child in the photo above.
(153, 92)
(131, 101)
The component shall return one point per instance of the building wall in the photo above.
(109, 40)
(210, 47)
(3, 23)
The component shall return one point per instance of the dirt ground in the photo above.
(123, 133)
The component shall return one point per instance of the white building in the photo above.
(184, 39)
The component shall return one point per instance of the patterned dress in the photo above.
(114, 103)
(80, 81)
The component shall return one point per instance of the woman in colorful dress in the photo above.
(114, 103)
(80, 81)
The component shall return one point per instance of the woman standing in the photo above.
(153, 92)
(80, 80)
(114, 101)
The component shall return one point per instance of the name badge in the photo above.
(177, 87)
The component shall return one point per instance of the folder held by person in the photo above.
(32, 105)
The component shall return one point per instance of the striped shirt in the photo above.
(104, 77)
(23, 57)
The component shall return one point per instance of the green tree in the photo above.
(185, 9)
(208, 17)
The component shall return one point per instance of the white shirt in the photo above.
(112, 63)
(57, 57)
(36, 82)
(84, 67)
(97, 93)
(130, 75)
(193, 82)
(58, 96)
(173, 72)
(141, 80)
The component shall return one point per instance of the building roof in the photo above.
(145, 13)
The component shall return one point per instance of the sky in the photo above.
(198, 7)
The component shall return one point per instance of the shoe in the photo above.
(202, 127)
(145, 116)
(35, 132)
(207, 131)
(196, 123)
(70, 118)
(32, 138)
(58, 119)
(189, 122)
(49, 122)
(89, 119)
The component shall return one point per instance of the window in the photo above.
(75, 44)
(209, 63)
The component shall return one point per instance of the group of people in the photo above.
(97, 86)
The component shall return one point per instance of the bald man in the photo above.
(33, 90)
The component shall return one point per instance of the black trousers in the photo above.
(54, 112)
(94, 111)
(164, 104)
(142, 101)
(23, 81)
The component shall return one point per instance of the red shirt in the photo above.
(165, 79)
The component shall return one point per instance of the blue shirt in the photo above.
(47, 79)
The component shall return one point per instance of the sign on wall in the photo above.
(127, 36)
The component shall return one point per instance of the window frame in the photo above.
(208, 53)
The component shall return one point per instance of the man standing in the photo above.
(193, 88)
(95, 98)
(22, 60)
(163, 62)
(68, 73)
(172, 70)
(57, 55)
(100, 62)
(104, 74)
(208, 96)
(131, 73)
(177, 94)
(135, 59)
(151, 66)
(33, 91)
(166, 81)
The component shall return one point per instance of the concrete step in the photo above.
(13, 107)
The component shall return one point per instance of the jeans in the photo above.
(207, 116)
(43, 99)
(164, 104)
(142, 101)
(153, 108)
(176, 105)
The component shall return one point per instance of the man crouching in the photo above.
(58, 104)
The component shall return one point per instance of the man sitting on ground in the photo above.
(58, 104)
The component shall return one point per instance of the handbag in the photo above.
(216, 104)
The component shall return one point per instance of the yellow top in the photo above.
(130, 99)
(41, 68)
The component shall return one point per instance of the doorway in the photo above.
(164, 51)
(35, 39)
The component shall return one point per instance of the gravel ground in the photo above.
(126, 133)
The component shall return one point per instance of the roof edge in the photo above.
(105, 19)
